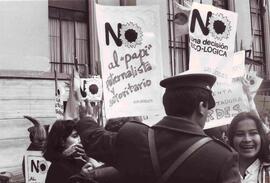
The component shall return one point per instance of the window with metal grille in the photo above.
(68, 34)
(255, 58)
(178, 45)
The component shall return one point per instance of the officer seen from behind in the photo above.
(158, 153)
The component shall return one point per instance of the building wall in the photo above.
(24, 35)
(266, 20)
(109, 2)
(27, 88)
(19, 97)
(80, 5)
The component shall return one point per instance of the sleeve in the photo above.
(107, 175)
(230, 171)
(97, 142)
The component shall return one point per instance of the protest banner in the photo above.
(92, 87)
(59, 107)
(130, 50)
(230, 97)
(63, 90)
(59, 104)
(212, 39)
(36, 167)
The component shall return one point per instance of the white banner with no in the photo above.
(212, 38)
(36, 167)
(129, 39)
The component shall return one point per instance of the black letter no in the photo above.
(196, 15)
(108, 29)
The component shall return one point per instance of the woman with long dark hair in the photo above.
(247, 136)
(64, 151)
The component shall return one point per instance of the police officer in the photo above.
(144, 156)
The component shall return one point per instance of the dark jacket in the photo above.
(62, 169)
(128, 151)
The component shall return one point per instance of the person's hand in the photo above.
(86, 171)
(79, 150)
(246, 87)
(86, 109)
(248, 83)
(75, 150)
(251, 83)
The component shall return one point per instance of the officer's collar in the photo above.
(180, 124)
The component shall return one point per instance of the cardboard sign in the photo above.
(36, 167)
(91, 88)
(130, 47)
(63, 90)
(230, 100)
(230, 97)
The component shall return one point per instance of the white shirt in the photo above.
(252, 173)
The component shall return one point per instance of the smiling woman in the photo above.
(247, 140)
(247, 136)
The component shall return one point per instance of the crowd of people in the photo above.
(175, 149)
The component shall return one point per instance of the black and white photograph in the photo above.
(134, 91)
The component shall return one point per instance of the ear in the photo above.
(203, 108)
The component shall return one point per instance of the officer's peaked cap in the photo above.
(193, 80)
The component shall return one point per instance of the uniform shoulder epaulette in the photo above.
(220, 142)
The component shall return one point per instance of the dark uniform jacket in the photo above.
(128, 151)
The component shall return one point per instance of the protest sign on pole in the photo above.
(212, 39)
(130, 51)
(36, 167)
